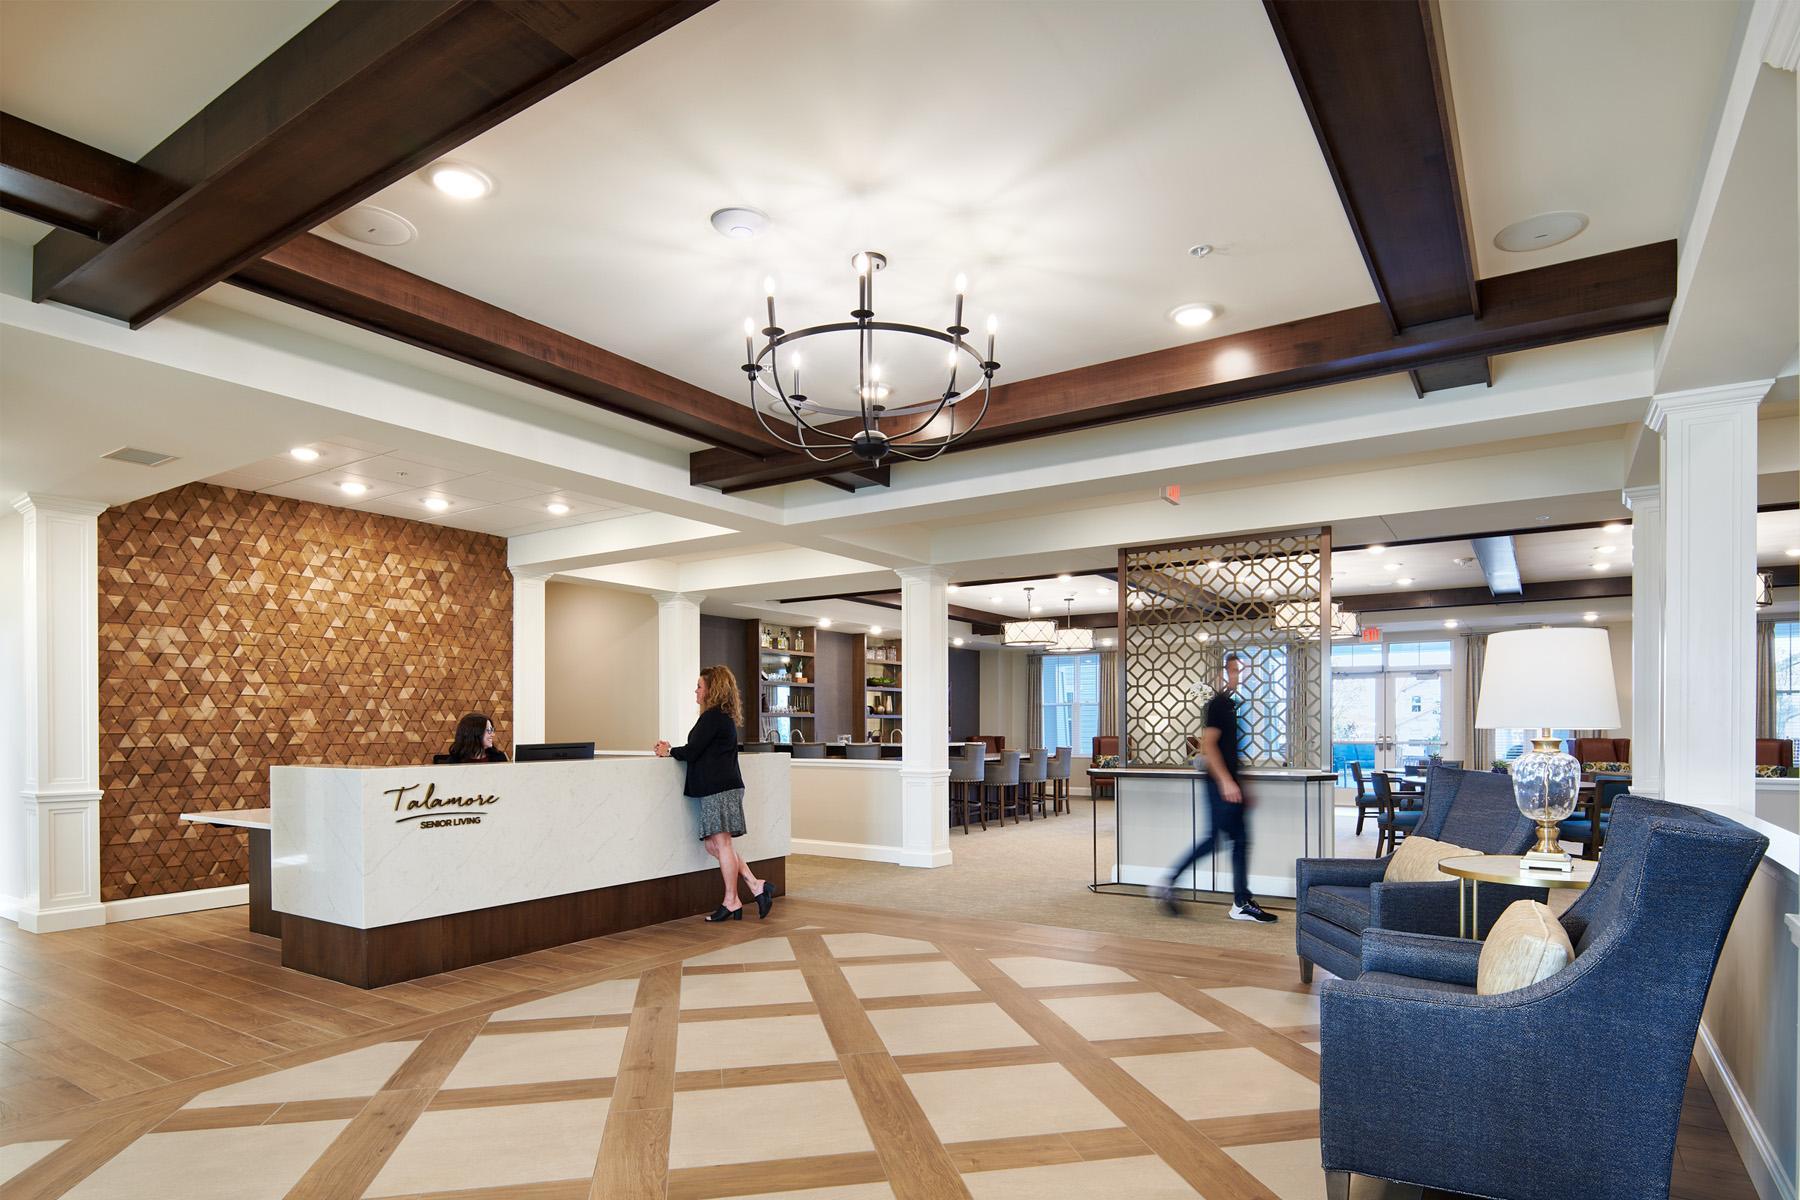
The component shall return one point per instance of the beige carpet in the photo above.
(1039, 871)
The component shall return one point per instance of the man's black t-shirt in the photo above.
(1221, 714)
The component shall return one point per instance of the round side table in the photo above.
(1477, 869)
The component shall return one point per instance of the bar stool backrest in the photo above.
(968, 764)
(1034, 767)
(1060, 763)
(809, 750)
(1004, 773)
(863, 750)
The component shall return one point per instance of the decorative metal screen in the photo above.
(1187, 607)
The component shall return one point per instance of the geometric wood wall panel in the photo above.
(239, 631)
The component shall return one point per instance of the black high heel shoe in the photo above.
(722, 913)
(765, 900)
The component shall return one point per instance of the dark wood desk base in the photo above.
(370, 958)
(263, 918)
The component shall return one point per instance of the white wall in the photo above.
(12, 713)
(600, 666)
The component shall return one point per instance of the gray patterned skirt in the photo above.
(722, 812)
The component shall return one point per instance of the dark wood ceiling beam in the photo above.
(1566, 302)
(1375, 83)
(1603, 588)
(365, 95)
(71, 185)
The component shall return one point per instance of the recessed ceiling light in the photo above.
(1062, 579)
(1106, 641)
(557, 508)
(1201, 250)
(1613, 527)
(949, 587)
(740, 224)
(1203, 636)
(352, 488)
(1590, 616)
(1606, 549)
(1792, 552)
(1103, 591)
(875, 629)
(1268, 593)
(1404, 581)
(1452, 623)
(1213, 564)
(956, 641)
(1600, 566)
(1377, 549)
(437, 503)
(303, 454)
(459, 181)
(994, 600)
(824, 622)
(1192, 316)
(1545, 229)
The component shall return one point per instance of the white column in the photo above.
(925, 699)
(60, 652)
(1709, 592)
(678, 666)
(528, 659)
(1647, 538)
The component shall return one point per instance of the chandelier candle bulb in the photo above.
(962, 287)
(749, 343)
(769, 291)
(993, 326)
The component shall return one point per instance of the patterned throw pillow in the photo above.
(1105, 761)
(1526, 945)
(1605, 768)
(1770, 771)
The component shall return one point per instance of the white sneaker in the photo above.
(1250, 912)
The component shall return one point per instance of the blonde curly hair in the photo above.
(722, 692)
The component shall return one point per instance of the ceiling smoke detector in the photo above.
(1536, 233)
(740, 224)
(374, 226)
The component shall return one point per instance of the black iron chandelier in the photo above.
(863, 423)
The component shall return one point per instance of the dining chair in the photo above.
(1595, 815)
(968, 769)
(1002, 779)
(1365, 800)
(1395, 822)
(1034, 769)
(1060, 771)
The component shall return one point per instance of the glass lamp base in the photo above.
(1546, 782)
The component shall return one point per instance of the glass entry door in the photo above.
(1386, 719)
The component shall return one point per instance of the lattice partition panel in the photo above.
(1188, 607)
(239, 631)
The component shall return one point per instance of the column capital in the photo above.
(530, 577)
(667, 599)
(1720, 398)
(1639, 498)
(29, 502)
(927, 573)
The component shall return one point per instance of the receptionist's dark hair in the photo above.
(469, 734)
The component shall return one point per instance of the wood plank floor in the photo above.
(108, 1034)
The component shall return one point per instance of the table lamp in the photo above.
(1543, 679)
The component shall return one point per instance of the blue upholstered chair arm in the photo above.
(1428, 907)
(1343, 872)
(1421, 956)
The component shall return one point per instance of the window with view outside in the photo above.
(1787, 681)
(1071, 699)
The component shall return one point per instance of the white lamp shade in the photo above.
(1548, 678)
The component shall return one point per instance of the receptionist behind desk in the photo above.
(474, 741)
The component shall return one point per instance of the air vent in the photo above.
(139, 457)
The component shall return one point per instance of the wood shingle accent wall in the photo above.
(239, 631)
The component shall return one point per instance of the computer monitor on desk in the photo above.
(553, 751)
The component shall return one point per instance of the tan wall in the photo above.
(599, 666)
(240, 631)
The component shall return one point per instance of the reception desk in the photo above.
(382, 874)
(1161, 811)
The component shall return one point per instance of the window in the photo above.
(1356, 656)
(1408, 655)
(1787, 680)
(1071, 696)
(1510, 743)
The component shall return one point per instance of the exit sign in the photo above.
(1371, 633)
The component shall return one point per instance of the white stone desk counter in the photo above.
(365, 847)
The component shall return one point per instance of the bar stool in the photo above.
(968, 767)
(1003, 778)
(863, 750)
(809, 750)
(1033, 771)
(1060, 770)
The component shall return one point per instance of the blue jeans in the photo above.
(1227, 822)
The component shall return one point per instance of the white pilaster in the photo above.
(678, 666)
(1709, 596)
(60, 651)
(925, 699)
(528, 658)
(1647, 540)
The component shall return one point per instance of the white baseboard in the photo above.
(170, 903)
(857, 850)
(56, 920)
(1760, 1160)
(930, 858)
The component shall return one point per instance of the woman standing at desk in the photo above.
(714, 781)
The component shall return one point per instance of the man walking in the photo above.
(1224, 801)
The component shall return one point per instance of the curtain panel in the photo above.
(1034, 702)
(1765, 678)
(1109, 696)
(1481, 741)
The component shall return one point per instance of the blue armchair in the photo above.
(1337, 899)
(1424, 1082)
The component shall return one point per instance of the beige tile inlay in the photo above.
(607, 998)
(1291, 1170)
(758, 1042)
(1056, 972)
(1267, 1006)
(19, 1155)
(762, 950)
(998, 1102)
(357, 1073)
(495, 1058)
(742, 989)
(862, 945)
(494, 1147)
(1315, 1047)
(783, 1120)
(259, 1162)
(1141, 1178)
(939, 1030)
(906, 979)
(855, 1191)
(1149, 1014)
(1222, 1083)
